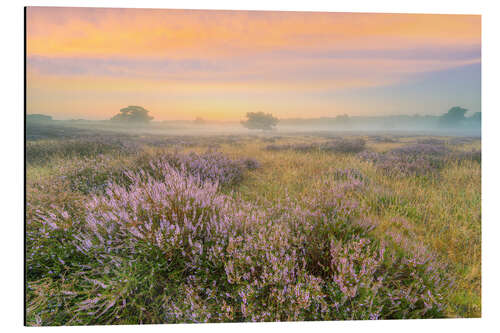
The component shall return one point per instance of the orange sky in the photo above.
(180, 64)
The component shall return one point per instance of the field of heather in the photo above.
(127, 229)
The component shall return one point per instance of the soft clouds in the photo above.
(223, 63)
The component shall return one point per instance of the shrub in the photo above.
(92, 175)
(41, 152)
(169, 247)
(418, 159)
(210, 166)
(346, 145)
(416, 150)
(337, 145)
(136, 236)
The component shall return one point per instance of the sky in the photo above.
(181, 64)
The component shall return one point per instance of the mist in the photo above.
(37, 125)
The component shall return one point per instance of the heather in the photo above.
(338, 145)
(43, 151)
(211, 166)
(168, 233)
(418, 159)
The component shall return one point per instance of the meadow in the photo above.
(137, 229)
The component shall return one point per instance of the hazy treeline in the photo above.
(387, 123)
(454, 122)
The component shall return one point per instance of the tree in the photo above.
(38, 118)
(476, 117)
(342, 119)
(133, 114)
(455, 116)
(260, 120)
(199, 121)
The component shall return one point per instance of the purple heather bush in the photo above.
(435, 150)
(210, 166)
(342, 145)
(300, 147)
(417, 159)
(458, 141)
(169, 246)
(91, 174)
(338, 145)
(42, 152)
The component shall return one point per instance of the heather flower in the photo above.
(417, 159)
(210, 166)
(338, 145)
(163, 242)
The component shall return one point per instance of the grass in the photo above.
(440, 210)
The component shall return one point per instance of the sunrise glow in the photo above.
(181, 64)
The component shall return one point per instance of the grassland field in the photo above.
(439, 210)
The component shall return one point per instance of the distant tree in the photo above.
(342, 119)
(454, 117)
(476, 117)
(38, 117)
(199, 121)
(133, 114)
(260, 120)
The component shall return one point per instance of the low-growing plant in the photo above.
(170, 247)
(210, 166)
(338, 145)
(42, 152)
(343, 145)
(416, 159)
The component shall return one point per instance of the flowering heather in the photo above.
(41, 152)
(150, 235)
(338, 145)
(301, 147)
(211, 166)
(417, 159)
(415, 150)
(172, 248)
(91, 175)
(342, 145)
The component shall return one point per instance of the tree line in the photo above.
(454, 118)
